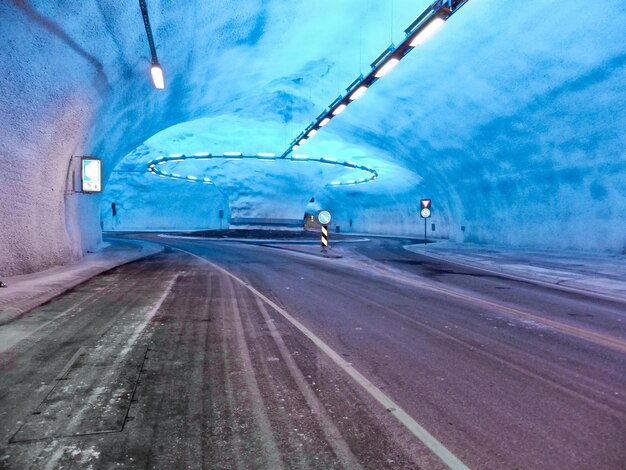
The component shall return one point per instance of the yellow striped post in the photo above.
(324, 237)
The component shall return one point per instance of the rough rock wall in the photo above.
(45, 112)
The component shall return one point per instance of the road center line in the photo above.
(413, 426)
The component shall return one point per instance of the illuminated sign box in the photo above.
(91, 175)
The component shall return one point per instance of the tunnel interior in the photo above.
(510, 120)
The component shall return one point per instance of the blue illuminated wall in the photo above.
(510, 118)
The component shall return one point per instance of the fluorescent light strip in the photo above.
(312, 132)
(388, 67)
(339, 109)
(358, 93)
(418, 32)
(268, 157)
(427, 31)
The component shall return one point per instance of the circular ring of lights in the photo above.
(154, 166)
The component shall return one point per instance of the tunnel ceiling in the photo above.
(277, 62)
(283, 62)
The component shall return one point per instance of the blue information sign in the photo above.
(324, 217)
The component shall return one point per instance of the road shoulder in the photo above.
(28, 291)
(599, 274)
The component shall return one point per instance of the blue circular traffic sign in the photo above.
(324, 217)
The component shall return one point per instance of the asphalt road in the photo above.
(241, 356)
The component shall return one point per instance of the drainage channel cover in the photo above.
(91, 396)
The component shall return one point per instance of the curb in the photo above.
(552, 284)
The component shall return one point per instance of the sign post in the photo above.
(425, 213)
(324, 238)
(324, 218)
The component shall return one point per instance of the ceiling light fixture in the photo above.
(267, 157)
(339, 109)
(434, 25)
(358, 93)
(388, 67)
(422, 28)
(156, 71)
(157, 77)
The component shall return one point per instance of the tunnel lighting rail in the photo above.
(156, 71)
(423, 27)
(156, 166)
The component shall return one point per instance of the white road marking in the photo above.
(332, 433)
(446, 456)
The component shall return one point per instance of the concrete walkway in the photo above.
(602, 274)
(28, 291)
